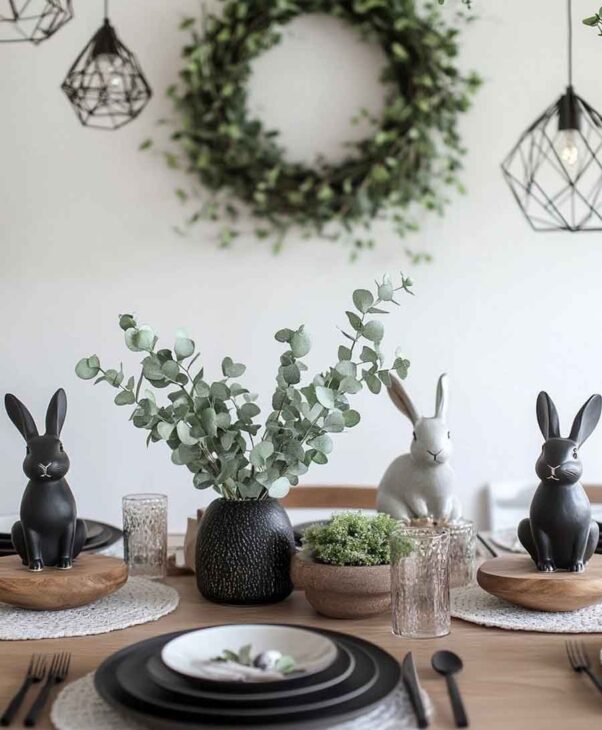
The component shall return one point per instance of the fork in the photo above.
(580, 661)
(59, 669)
(35, 673)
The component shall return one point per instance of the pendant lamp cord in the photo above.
(107, 8)
(570, 49)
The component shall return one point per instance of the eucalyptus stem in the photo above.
(210, 432)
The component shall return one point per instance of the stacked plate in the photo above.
(508, 540)
(176, 680)
(100, 535)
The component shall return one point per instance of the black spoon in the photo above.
(447, 663)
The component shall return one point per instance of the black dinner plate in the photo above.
(100, 535)
(131, 677)
(342, 667)
(150, 704)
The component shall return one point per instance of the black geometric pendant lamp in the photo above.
(105, 85)
(555, 169)
(32, 20)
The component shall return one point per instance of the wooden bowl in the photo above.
(343, 591)
(92, 577)
(516, 579)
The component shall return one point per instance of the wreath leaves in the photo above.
(413, 155)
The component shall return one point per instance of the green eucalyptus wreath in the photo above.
(414, 152)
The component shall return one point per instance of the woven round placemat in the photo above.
(479, 607)
(80, 706)
(138, 602)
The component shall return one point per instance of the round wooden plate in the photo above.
(516, 579)
(91, 578)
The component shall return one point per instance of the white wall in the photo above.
(85, 232)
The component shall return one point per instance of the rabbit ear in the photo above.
(547, 416)
(587, 419)
(55, 415)
(402, 400)
(20, 416)
(442, 396)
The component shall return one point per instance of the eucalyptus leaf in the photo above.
(363, 300)
(280, 488)
(345, 367)
(322, 443)
(325, 396)
(126, 322)
(232, 369)
(344, 353)
(248, 411)
(202, 480)
(352, 418)
(183, 430)
(125, 398)
(350, 384)
(170, 369)
(300, 343)
(88, 367)
(354, 321)
(209, 421)
(334, 422)
(284, 335)
(260, 453)
(165, 430)
(183, 348)
(373, 331)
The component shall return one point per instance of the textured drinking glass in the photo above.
(420, 582)
(145, 534)
(462, 553)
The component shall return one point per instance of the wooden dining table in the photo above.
(511, 679)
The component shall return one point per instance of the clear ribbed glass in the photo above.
(145, 534)
(462, 553)
(420, 582)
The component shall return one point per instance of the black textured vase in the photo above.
(243, 552)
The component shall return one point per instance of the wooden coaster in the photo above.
(91, 578)
(516, 579)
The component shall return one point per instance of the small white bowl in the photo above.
(190, 654)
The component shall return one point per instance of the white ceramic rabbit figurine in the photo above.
(420, 484)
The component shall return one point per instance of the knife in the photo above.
(410, 680)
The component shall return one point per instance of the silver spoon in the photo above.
(447, 663)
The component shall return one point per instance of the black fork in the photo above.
(59, 669)
(35, 674)
(580, 661)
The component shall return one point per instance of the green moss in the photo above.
(351, 539)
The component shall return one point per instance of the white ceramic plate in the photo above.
(190, 654)
(7, 522)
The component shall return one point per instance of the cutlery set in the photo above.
(37, 672)
(53, 671)
(445, 663)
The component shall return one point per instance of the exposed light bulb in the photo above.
(569, 151)
(116, 82)
(109, 65)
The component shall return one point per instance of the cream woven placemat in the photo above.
(479, 607)
(139, 601)
(80, 706)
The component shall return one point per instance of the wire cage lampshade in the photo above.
(32, 20)
(554, 170)
(105, 85)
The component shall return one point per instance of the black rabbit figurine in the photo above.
(49, 532)
(560, 532)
